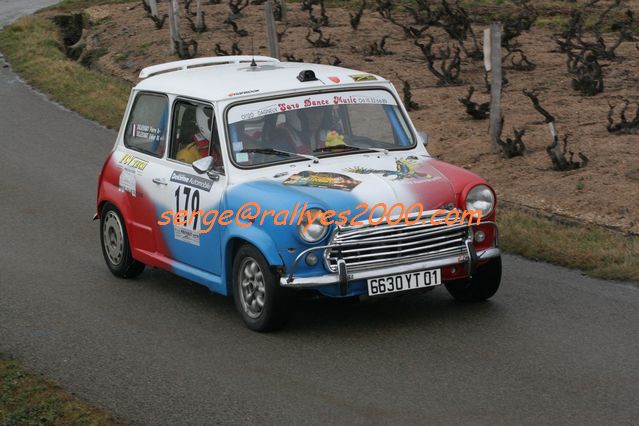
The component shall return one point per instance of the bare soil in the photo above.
(605, 192)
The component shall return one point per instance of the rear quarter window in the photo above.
(147, 125)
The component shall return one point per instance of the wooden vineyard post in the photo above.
(495, 84)
(271, 31)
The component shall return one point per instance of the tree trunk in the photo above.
(174, 24)
(199, 19)
(153, 5)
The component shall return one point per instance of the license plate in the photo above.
(403, 282)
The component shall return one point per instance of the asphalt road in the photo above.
(552, 347)
(13, 9)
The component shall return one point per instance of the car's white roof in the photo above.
(203, 78)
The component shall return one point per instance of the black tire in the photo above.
(350, 300)
(263, 288)
(483, 284)
(116, 250)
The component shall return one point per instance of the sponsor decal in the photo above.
(259, 109)
(316, 101)
(144, 131)
(323, 180)
(191, 180)
(186, 235)
(363, 77)
(405, 170)
(334, 79)
(133, 162)
(127, 181)
(245, 92)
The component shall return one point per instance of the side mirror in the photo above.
(423, 137)
(203, 165)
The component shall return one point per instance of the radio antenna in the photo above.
(253, 63)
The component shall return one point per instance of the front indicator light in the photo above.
(311, 259)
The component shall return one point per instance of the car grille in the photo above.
(371, 246)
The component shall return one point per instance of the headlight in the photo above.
(315, 231)
(481, 198)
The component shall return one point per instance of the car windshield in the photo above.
(317, 125)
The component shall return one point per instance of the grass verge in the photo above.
(27, 398)
(598, 251)
(35, 51)
(66, 5)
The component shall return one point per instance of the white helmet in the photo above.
(203, 118)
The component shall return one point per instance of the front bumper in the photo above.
(343, 276)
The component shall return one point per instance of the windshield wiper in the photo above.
(334, 147)
(271, 151)
(356, 148)
(369, 140)
(382, 150)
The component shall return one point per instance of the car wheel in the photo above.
(115, 244)
(259, 298)
(483, 284)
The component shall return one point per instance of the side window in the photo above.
(146, 128)
(192, 137)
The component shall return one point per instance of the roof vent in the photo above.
(306, 75)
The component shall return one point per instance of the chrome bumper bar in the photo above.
(343, 276)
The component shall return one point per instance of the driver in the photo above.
(199, 146)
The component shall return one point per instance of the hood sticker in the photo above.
(405, 170)
(323, 180)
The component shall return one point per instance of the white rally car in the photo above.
(252, 135)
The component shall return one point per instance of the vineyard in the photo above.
(572, 64)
